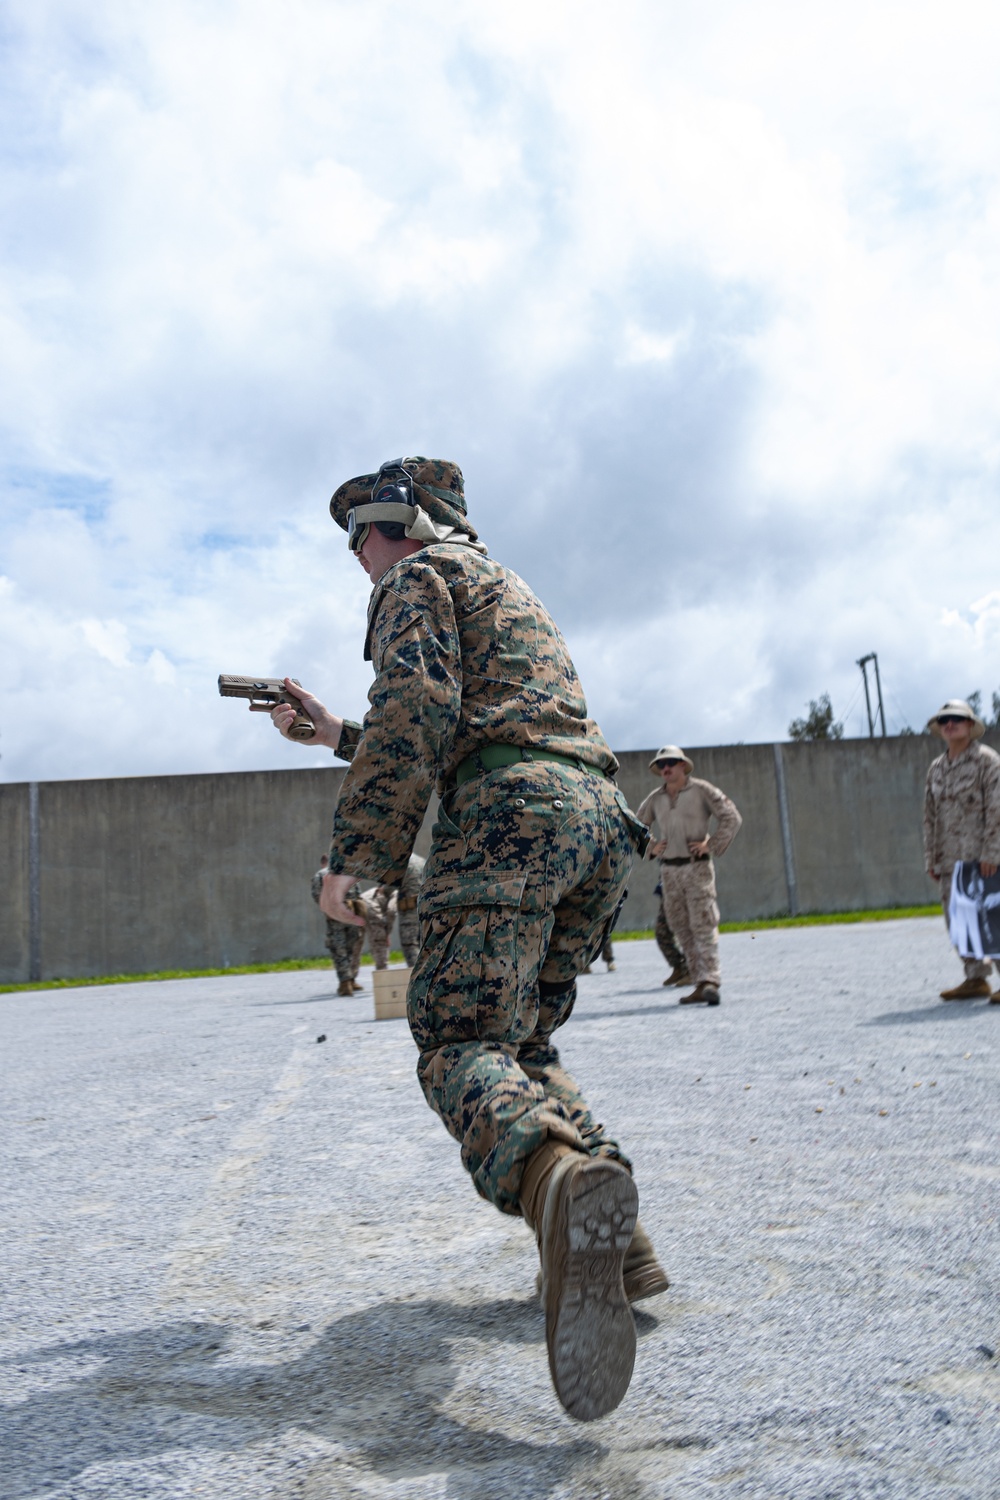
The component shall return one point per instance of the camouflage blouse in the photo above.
(962, 809)
(465, 655)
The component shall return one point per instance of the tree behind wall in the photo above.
(818, 724)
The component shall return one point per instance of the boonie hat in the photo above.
(437, 488)
(670, 752)
(956, 708)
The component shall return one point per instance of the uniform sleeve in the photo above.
(991, 811)
(416, 702)
(930, 819)
(646, 812)
(728, 819)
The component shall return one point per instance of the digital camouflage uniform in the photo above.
(407, 900)
(343, 941)
(665, 940)
(962, 821)
(380, 913)
(386, 903)
(529, 862)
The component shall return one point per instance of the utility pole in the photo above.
(880, 710)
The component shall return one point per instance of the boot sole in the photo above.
(589, 1329)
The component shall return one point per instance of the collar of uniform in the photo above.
(969, 753)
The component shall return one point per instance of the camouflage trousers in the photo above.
(975, 968)
(665, 940)
(409, 936)
(526, 873)
(380, 913)
(344, 943)
(692, 911)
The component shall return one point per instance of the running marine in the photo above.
(475, 695)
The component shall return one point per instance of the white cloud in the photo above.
(705, 301)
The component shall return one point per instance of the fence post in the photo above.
(786, 832)
(34, 886)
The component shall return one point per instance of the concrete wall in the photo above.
(147, 873)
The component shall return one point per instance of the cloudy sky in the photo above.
(705, 300)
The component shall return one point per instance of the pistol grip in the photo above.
(302, 728)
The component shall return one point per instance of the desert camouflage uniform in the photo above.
(389, 902)
(406, 908)
(529, 862)
(689, 897)
(962, 821)
(343, 941)
(380, 914)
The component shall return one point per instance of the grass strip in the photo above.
(808, 919)
(283, 965)
(278, 966)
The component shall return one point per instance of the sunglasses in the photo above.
(953, 719)
(665, 765)
(388, 493)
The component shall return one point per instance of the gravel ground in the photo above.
(240, 1261)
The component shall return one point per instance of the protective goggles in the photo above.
(392, 500)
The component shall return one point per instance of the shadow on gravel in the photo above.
(944, 1011)
(302, 1000)
(373, 1382)
(636, 1010)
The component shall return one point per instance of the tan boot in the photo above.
(703, 993)
(679, 975)
(969, 989)
(345, 987)
(588, 1210)
(642, 1274)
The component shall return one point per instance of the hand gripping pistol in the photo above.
(264, 694)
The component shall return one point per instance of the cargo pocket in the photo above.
(480, 951)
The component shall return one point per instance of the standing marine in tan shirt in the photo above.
(679, 813)
(962, 819)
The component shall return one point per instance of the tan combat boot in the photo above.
(642, 1274)
(969, 989)
(583, 1209)
(679, 975)
(703, 993)
(345, 987)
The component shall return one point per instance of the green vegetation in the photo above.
(282, 965)
(279, 966)
(810, 919)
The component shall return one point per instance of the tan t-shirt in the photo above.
(685, 818)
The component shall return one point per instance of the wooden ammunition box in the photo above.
(390, 993)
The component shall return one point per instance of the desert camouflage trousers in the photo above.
(975, 968)
(527, 870)
(380, 913)
(344, 944)
(692, 911)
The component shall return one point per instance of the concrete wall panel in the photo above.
(150, 873)
(147, 873)
(14, 910)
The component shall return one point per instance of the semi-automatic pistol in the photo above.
(264, 694)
